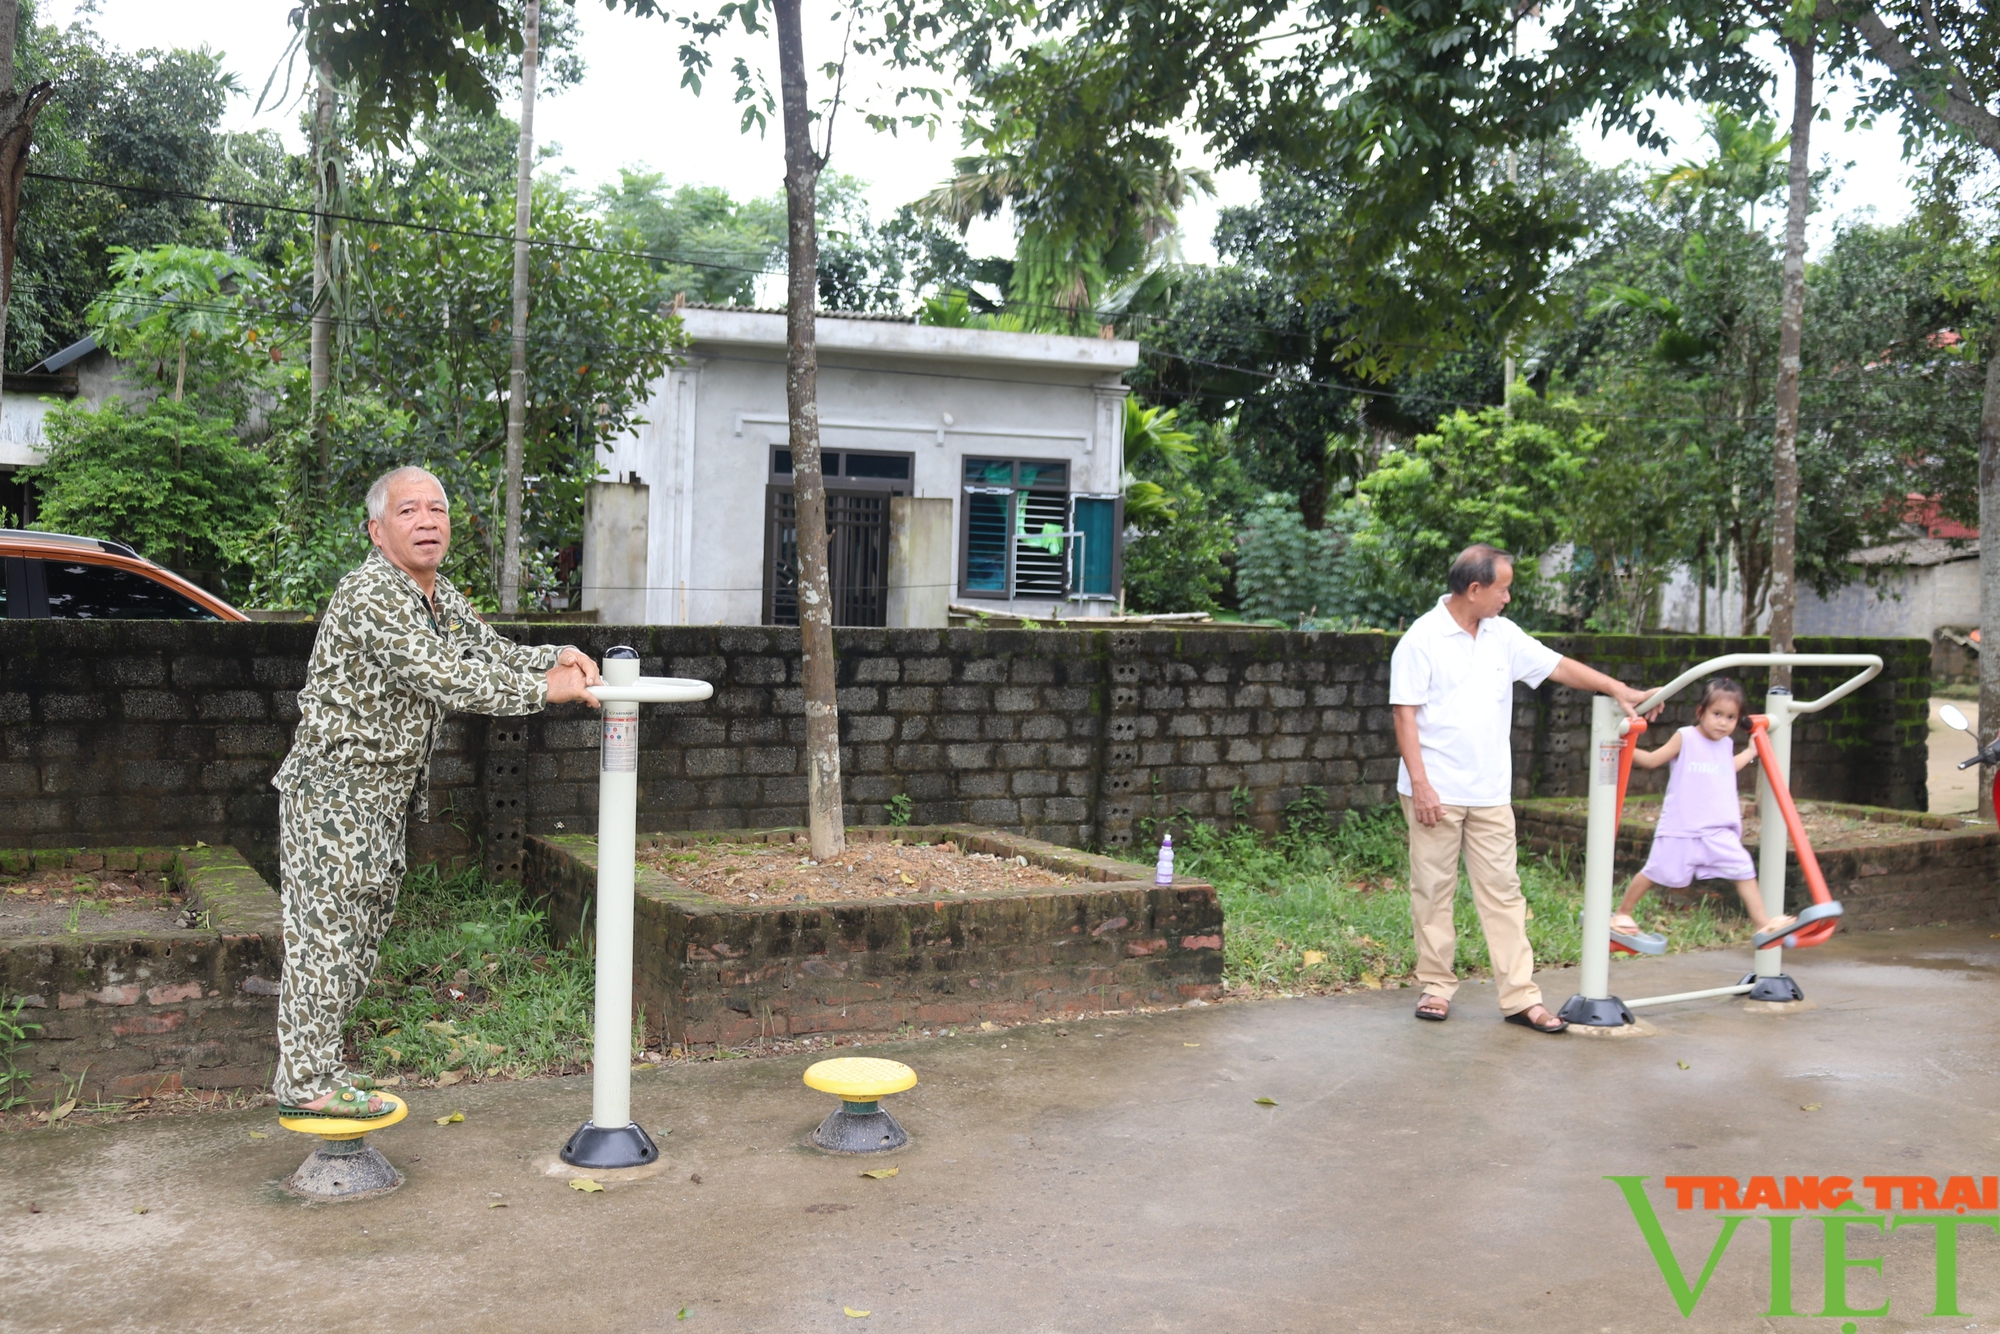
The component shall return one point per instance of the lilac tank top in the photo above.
(1701, 788)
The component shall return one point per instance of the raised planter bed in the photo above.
(130, 1011)
(715, 972)
(1887, 867)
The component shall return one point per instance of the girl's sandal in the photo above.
(347, 1103)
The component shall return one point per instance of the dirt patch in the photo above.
(1825, 828)
(761, 873)
(57, 903)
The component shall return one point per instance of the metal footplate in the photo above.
(1818, 912)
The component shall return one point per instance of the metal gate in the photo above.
(857, 557)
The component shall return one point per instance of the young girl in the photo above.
(1700, 836)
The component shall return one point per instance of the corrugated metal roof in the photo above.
(1918, 551)
(877, 316)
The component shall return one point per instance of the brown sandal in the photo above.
(1434, 1008)
(1554, 1024)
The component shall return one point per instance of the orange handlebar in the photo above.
(1625, 768)
(1817, 932)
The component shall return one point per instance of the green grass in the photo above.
(1343, 894)
(527, 1004)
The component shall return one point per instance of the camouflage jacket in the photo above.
(387, 666)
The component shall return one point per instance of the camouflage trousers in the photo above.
(341, 851)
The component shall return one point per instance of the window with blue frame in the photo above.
(1019, 537)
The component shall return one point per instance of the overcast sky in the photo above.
(630, 110)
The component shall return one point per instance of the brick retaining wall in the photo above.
(131, 1014)
(706, 971)
(166, 732)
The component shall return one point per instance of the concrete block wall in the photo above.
(167, 732)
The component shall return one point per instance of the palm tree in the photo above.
(1748, 165)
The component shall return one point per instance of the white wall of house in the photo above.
(939, 395)
(1911, 601)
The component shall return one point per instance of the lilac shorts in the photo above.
(1679, 859)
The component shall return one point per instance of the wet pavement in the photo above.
(1111, 1174)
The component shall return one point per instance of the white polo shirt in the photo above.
(1463, 689)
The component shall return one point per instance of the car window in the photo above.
(83, 591)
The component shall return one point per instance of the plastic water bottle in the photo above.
(1163, 874)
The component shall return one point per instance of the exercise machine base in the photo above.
(342, 1170)
(609, 1146)
(860, 1132)
(1595, 1011)
(1779, 988)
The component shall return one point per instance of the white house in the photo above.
(1020, 434)
(1923, 585)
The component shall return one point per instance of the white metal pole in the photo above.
(617, 817)
(1772, 839)
(1600, 847)
(610, 1139)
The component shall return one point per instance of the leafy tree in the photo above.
(710, 247)
(434, 346)
(174, 484)
(1184, 494)
(145, 120)
(1094, 207)
(172, 302)
(1481, 477)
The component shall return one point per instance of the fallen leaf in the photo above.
(258, 1134)
(1683, 1065)
(1267, 1102)
(906, 880)
(1530, 912)
(1809, 1107)
(138, 1208)
(1190, 1044)
(882, 1173)
(394, 1055)
(682, 1314)
(1371, 981)
(450, 1077)
(854, 1314)
(392, 1082)
(496, 1204)
(62, 1111)
(586, 1185)
(198, 843)
(444, 1026)
(987, 1025)
(451, 1120)
(1311, 957)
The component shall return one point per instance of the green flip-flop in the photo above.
(348, 1103)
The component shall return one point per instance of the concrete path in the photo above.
(1953, 790)
(1421, 1177)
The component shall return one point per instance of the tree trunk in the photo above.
(1791, 330)
(17, 130)
(827, 828)
(325, 189)
(1989, 564)
(517, 374)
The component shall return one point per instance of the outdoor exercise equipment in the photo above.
(1989, 754)
(860, 1082)
(610, 1138)
(1612, 740)
(345, 1166)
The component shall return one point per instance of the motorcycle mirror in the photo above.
(1953, 718)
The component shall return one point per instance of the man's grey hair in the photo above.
(378, 494)
(1475, 565)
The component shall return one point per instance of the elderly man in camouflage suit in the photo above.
(397, 649)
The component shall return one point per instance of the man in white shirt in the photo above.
(1451, 686)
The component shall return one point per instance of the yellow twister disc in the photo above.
(860, 1078)
(347, 1127)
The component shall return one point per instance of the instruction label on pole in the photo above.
(1607, 761)
(621, 743)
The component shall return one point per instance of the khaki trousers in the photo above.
(1484, 836)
